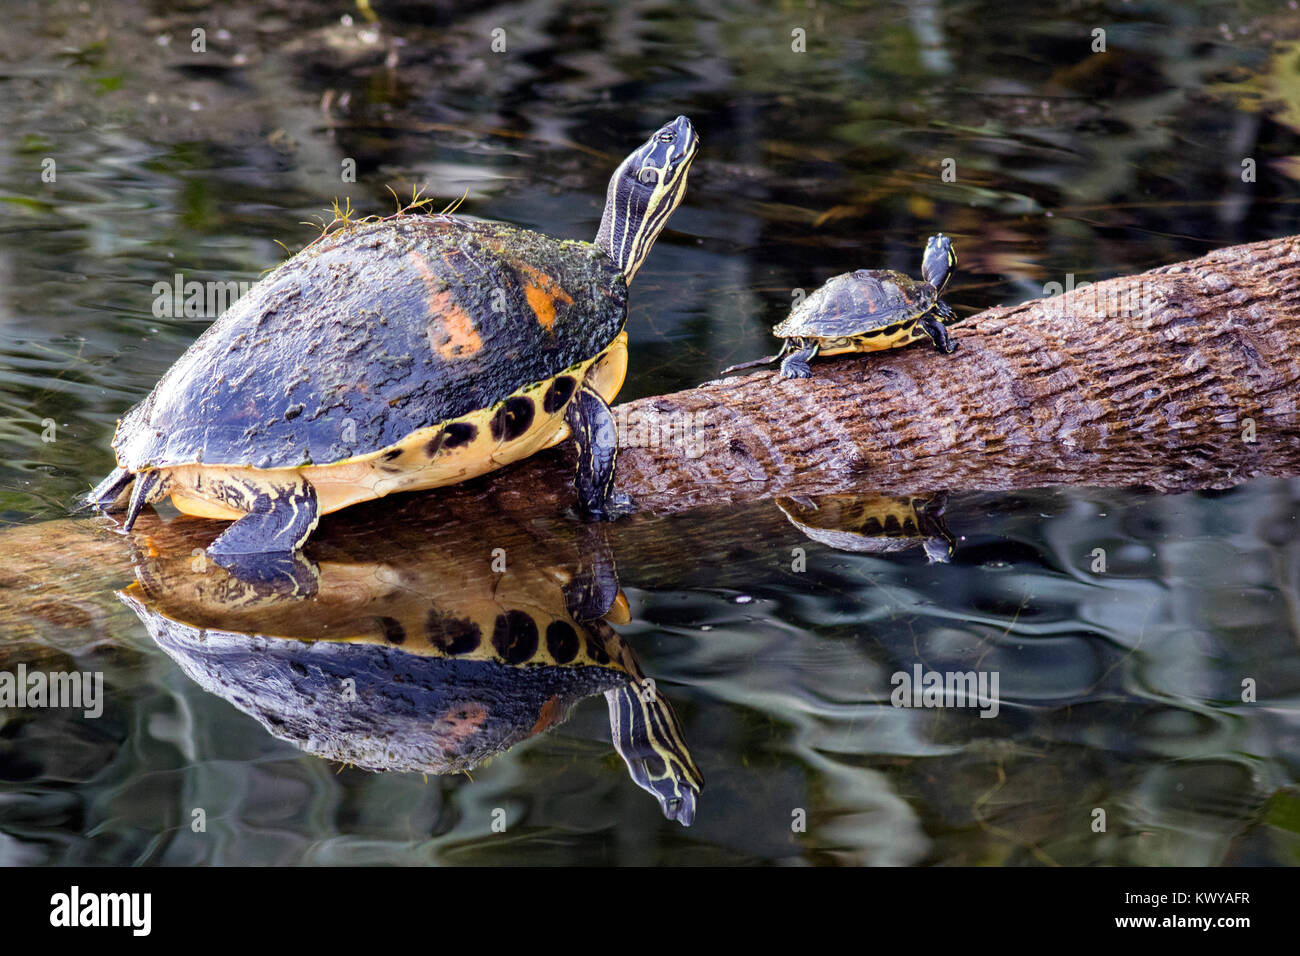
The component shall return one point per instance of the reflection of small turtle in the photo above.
(398, 355)
(425, 662)
(868, 311)
(874, 524)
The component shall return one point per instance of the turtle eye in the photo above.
(648, 175)
(667, 136)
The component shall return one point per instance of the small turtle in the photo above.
(868, 311)
(398, 355)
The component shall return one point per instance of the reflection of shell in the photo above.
(419, 659)
(871, 524)
(380, 708)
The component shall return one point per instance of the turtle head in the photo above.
(644, 191)
(939, 261)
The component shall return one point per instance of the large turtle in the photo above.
(867, 311)
(404, 354)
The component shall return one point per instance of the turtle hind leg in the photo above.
(933, 325)
(279, 515)
(795, 365)
(595, 435)
(110, 494)
(150, 486)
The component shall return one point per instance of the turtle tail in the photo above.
(785, 347)
(754, 364)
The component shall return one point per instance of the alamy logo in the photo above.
(638, 429)
(73, 689)
(103, 909)
(195, 300)
(924, 688)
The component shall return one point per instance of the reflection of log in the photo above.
(1066, 390)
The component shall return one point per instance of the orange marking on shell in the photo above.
(542, 293)
(550, 713)
(459, 338)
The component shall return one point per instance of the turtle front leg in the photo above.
(595, 435)
(934, 327)
(795, 365)
(278, 517)
(593, 589)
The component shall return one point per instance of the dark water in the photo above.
(1119, 691)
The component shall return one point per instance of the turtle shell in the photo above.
(373, 333)
(858, 302)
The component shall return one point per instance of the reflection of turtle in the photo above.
(874, 524)
(868, 311)
(398, 355)
(426, 662)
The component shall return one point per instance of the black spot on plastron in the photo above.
(459, 433)
(512, 419)
(561, 641)
(394, 633)
(515, 637)
(435, 443)
(558, 395)
(452, 635)
(390, 455)
(596, 651)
